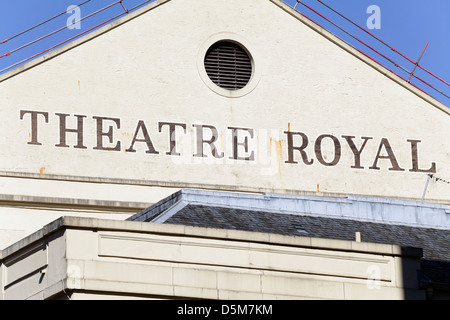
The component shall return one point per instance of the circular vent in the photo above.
(228, 65)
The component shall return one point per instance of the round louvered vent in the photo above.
(228, 65)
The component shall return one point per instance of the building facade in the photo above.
(241, 97)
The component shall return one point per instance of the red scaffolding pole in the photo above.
(416, 64)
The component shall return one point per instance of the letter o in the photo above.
(318, 150)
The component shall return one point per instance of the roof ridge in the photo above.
(398, 212)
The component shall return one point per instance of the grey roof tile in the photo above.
(434, 241)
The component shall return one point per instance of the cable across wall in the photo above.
(434, 84)
(48, 35)
(374, 54)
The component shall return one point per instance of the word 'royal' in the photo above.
(296, 142)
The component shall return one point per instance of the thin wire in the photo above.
(147, 1)
(126, 11)
(40, 24)
(140, 5)
(63, 42)
(394, 63)
(58, 30)
(423, 81)
(348, 33)
(437, 179)
(401, 54)
(355, 24)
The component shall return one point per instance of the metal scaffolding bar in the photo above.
(58, 30)
(40, 24)
(416, 64)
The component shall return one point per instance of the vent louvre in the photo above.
(228, 65)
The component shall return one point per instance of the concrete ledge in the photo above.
(110, 257)
(21, 200)
(188, 231)
(207, 187)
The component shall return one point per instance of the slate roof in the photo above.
(435, 245)
(219, 210)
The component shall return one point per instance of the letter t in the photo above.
(34, 124)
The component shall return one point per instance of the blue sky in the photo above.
(405, 25)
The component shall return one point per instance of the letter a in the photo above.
(73, 22)
(374, 21)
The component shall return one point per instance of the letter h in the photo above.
(63, 130)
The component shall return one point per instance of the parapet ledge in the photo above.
(70, 222)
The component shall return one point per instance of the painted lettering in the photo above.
(237, 144)
(291, 148)
(108, 134)
(172, 135)
(241, 142)
(63, 130)
(356, 152)
(211, 142)
(141, 127)
(390, 156)
(319, 154)
(415, 159)
(34, 124)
